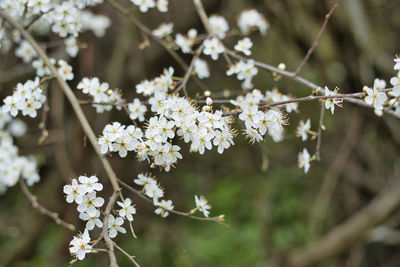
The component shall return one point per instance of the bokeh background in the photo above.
(270, 204)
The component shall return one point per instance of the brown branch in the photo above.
(347, 233)
(288, 74)
(217, 219)
(130, 257)
(43, 210)
(291, 75)
(147, 31)
(69, 94)
(300, 99)
(319, 132)
(185, 79)
(316, 41)
(203, 15)
(107, 239)
(163, 43)
(364, 104)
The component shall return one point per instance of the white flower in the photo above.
(137, 110)
(10, 105)
(244, 46)
(202, 205)
(74, 192)
(38, 6)
(250, 19)
(144, 5)
(25, 51)
(153, 191)
(92, 221)
(90, 203)
(219, 25)
(213, 48)
(303, 129)
(185, 43)
(127, 209)
(164, 207)
(201, 68)
(41, 68)
(397, 63)
(379, 84)
(90, 183)
(331, 102)
(304, 160)
(375, 98)
(79, 245)
(146, 88)
(244, 71)
(162, 5)
(395, 81)
(163, 30)
(65, 70)
(114, 226)
(253, 135)
(144, 179)
(29, 107)
(17, 128)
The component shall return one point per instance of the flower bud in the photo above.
(282, 66)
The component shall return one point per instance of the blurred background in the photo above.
(270, 204)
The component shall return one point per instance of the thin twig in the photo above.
(188, 73)
(43, 210)
(126, 12)
(107, 239)
(130, 257)
(315, 43)
(203, 15)
(217, 219)
(163, 43)
(271, 68)
(36, 18)
(300, 99)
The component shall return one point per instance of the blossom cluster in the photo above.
(258, 122)
(101, 94)
(153, 190)
(145, 5)
(13, 166)
(83, 191)
(64, 18)
(380, 98)
(245, 71)
(27, 98)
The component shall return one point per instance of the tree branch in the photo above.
(316, 41)
(43, 210)
(107, 239)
